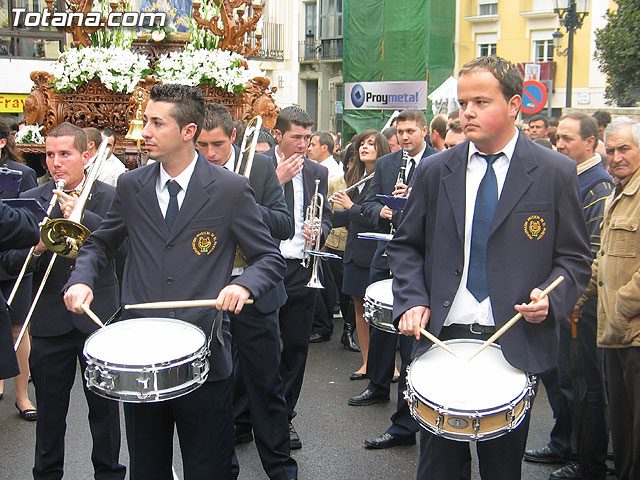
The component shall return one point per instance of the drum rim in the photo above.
(373, 301)
(440, 408)
(199, 353)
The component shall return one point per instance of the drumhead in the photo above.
(380, 293)
(485, 382)
(144, 341)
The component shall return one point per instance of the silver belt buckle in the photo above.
(473, 331)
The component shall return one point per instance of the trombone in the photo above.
(64, 237)
(252, 130)
(59, 186)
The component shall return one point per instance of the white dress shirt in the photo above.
(292, 248)
(335, 170)
(465, 309)
(162, 191)
(231, 162)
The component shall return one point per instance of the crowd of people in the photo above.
(488, 210)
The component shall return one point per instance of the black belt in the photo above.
(474, 330)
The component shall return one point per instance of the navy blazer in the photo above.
(427, 252)
(275, 214)
(51, 318)
(192, 261)
(28, 181)
(311, 172)
(357, 250)
(18, 228)
(383, 183)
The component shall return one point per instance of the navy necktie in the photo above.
(172, 209)
(412, 167)
(485, 208)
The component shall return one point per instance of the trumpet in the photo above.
(59, 186)
(65, 236)
(313, 220)
(355, 185)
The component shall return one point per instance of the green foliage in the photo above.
(118, 37)
(618, 53)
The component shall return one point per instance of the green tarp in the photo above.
(395, 40)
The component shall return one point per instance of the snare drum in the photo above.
(378, 306)
(146, 360)
(465, 400)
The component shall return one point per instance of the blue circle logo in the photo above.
(357, 95)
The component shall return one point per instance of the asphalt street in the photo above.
(332, 432)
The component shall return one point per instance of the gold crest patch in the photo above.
(535, 227)
(204, 242)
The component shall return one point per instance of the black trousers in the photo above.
(296, 320)
(332, 281)
(500, 458)
(382, 350)
(402, 423)
(258, 391)
(204, 422)
(623, 386)
(53, 363)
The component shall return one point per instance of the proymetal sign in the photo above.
(385, 95)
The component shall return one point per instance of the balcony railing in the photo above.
(307, 51)
(331, 49)
(272, 47)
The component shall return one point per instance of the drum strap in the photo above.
(216, 328)
(114, 317)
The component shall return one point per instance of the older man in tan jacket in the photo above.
(616, 279)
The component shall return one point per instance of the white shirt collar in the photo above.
(231, 163)
(183, 178)
(507, 150)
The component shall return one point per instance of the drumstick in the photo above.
(516, 317)
(180, 304)
(437, 341)
(92, 315)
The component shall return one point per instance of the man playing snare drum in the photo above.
(461, 270)
(176, 214)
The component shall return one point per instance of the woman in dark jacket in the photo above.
(368, 147)
(11, 158)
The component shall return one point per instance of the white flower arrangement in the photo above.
(223, 69)
(118, 69)
(30, 134)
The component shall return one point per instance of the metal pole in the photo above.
(570, 30)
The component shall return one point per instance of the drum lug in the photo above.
(439, 420)
(476, 426)
(197, 366)
(511, 416)
(106, 380)
(143, 383)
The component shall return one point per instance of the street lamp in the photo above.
(571, 14)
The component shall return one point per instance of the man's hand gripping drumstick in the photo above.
(414, 321)
(534, 312)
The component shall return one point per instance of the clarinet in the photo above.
(403, 167)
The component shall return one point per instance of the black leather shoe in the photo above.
(367, 398)
(317, 338)
(357, 376)
(544, 455)
(386, 440)
(570, 470)
(242, 436)
(395, 379)
(294, 439)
